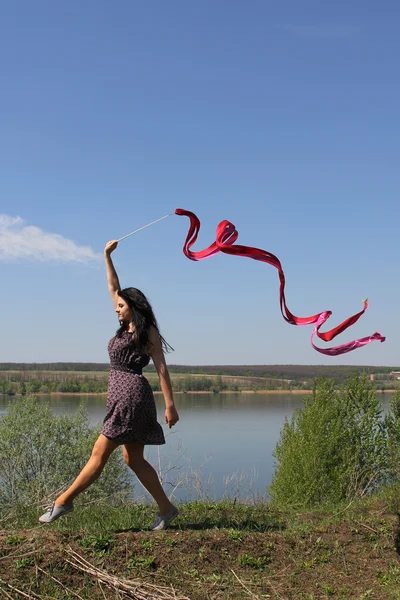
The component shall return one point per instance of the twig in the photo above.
(59, 583)
(367, 527)
(7, 516)
(245, 586)
(137, 590)
(14, 589)
(281, 573)
(346, 570)
(17, 555)
(275, 590)
(6, 593)
(343, 509)
(102, 591)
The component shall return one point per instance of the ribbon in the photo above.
(226, 237)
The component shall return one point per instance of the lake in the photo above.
(222, 444)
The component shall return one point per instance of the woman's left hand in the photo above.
(171, 416)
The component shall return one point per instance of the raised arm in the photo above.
(112, 277)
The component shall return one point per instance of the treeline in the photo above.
(99, 385)
(79, 378)
(53, 376)
(46, 386)
(188, 383)
(198, 384)
(340, 373)
(60, 366)
(11, 386)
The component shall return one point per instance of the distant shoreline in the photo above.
(199, 392)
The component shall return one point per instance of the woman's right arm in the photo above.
(112, 277)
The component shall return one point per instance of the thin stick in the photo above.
(59, 583)
(4, 592)
(144, 226)
(245, 586)
(102, 591)
(367, 527)
(14, 589)
(11, 555)
(137, 589)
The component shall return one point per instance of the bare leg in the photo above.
(101, 452)
(133, 456)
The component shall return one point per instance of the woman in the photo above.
(131, 419)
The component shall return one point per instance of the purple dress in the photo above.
(131, 410)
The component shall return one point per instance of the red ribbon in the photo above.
(225, 242)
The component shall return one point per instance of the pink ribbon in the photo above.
(226, 237)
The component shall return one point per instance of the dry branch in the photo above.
(245, 586)
(20, 592)
(59, 583)
(135, 589)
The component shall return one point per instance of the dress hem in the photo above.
(124, 440)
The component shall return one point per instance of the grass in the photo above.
(213, 551)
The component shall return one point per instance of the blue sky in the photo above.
(280, 117)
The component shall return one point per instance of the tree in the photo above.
(335, 447)
(392, 426)
(41, 453)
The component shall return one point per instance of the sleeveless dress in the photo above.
(131, 411)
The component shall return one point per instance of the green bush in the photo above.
(392, 426)
(336, 447)
(42, 453)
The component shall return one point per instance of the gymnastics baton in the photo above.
(144, 226)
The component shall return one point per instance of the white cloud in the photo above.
(19, 241)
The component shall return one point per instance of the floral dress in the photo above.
(131, 410)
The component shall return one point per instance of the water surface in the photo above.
(223, 443)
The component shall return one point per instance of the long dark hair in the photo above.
(143, 318)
